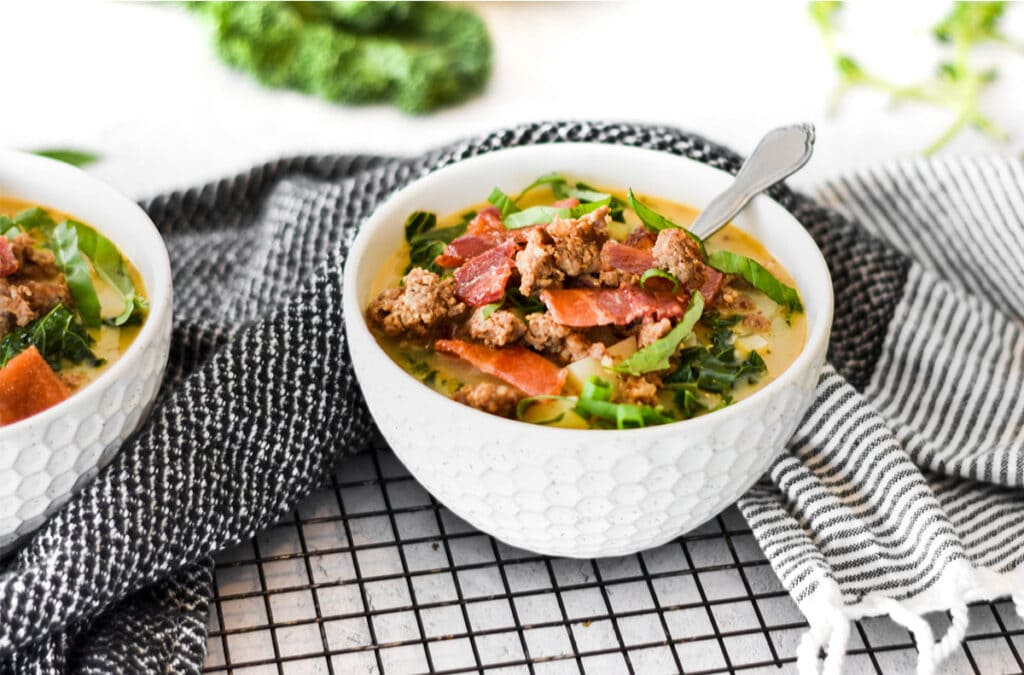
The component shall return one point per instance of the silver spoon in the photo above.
(780, 154)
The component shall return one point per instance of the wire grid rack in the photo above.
(372, 575)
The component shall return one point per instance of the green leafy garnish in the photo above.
(68, 257)
(553, 180)
(656, 355)
(426, 241)
(424, 253)
(541, 215)
(648, 216)
(588, 197)
(418, 223)
(583, 208)
(524, 303)
(655, 273)
(718, 372)
(445, 234)
(587, 194)
(721, 330)
(563, 189)
(110, 267)
(656, 222)
(77, 249)
(8, 228)
(688, 403)
(35, 218)
(713, 368)
(535, 215)
(56, 335)
(77, 158)
(595, 402)
(506, 205)
(957, 84)
(757, 276)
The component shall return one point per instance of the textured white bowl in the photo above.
(583, 493)
(46, 458)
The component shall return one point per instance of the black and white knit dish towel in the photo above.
(901, 493)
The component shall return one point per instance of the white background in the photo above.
(140, 85)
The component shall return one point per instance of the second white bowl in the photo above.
(44, 459)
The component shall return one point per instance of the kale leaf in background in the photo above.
(418, 56)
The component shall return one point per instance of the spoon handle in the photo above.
(779, 154)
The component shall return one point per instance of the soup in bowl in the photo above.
(585, 308)
(589, 379)
(85, 321)
(70, 305)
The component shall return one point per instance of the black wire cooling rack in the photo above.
(372, 575)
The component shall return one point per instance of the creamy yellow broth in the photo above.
(785, 338)
(110, 342)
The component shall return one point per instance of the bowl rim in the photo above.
(816, 339)
(159, 293)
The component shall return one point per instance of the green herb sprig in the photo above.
(595, 402)
(956, 85)
(757, 276)
(585, 194)
(110, 266)
(79, 249)
(655, 356)
(655, 273)
(427, 241)
(538, 215)
(64, 241)
(506, 205)
(417, 56)
(656, 222)
(515, 300)
(714, 369)
(57, 336)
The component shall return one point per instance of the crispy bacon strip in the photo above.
(482, 280)
(520, 367)
(486, 223)
(586, 307)
(626, 258)
(28, 386)
(712, 283)
(641, 238)
(8, 262)
(464, 248)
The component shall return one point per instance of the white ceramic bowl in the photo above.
(44, 459)
(583, 493)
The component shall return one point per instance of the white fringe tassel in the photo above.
(832, 626)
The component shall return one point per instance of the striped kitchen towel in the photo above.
(900, 494)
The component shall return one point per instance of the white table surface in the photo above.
(139, 85)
